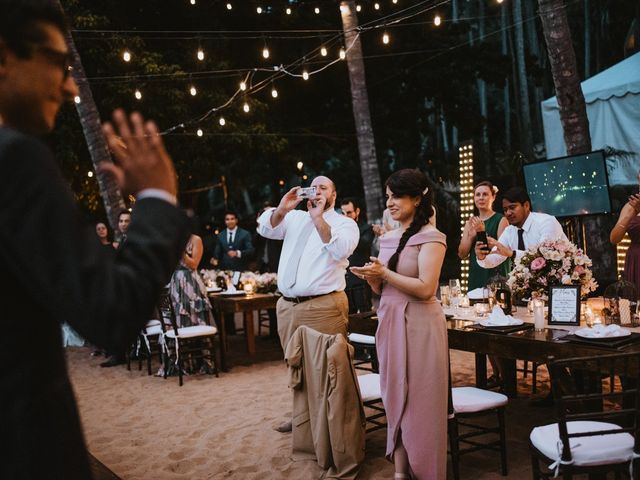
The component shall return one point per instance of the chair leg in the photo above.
(525, 368)
(535, 467)
(503, 441)
(179, 365)
(534, 377)
(454, 448)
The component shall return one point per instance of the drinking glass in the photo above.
(444, 296)
(454, 292)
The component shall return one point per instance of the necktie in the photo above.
(291, 269)
(521, 239)
(230, 242)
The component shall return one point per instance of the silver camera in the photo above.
(308, 193)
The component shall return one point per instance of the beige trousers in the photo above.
(326, 314)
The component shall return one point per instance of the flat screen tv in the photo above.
(569, 186)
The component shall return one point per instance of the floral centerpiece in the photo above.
(550, 263)
(262, 282)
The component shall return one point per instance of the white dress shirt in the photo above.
(322, 266)
(537, 228)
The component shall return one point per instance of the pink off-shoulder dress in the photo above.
(413, 352)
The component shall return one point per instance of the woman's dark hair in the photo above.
(410, 183)
(517, 195)
(20, 27)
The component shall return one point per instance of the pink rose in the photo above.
(579, 270)
(537, 264)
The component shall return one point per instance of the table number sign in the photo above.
(564, 305)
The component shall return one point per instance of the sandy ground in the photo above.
(144, 427)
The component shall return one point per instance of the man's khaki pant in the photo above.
(326, 314)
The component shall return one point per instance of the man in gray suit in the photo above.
(234, 246)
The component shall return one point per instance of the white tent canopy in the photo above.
(613, 108)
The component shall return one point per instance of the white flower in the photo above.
(566, 280)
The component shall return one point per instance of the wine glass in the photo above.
(454, 292)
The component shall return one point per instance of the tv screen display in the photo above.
(568, 186)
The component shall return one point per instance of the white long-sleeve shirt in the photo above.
(537, 228)
(322, 266)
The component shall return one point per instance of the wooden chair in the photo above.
(598, 428)
(365, 345)
(371, 398)
(195, 342)
(466, 405)
(150, 342)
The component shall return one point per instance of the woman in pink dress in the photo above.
(629, 222)
(412, 334)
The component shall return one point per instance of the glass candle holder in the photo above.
(538, 314)
(248, 288)
(482, 309)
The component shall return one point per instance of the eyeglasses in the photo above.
(57, 58)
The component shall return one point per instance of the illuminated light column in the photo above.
(465, 157)
(621, 252)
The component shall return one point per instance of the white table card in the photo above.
(564, 305)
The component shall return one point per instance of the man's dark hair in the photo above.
(231, 212)
(121, 212)
(19, 23)
(351, 200)
(517, 195)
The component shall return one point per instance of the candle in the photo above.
(464, 302)
(538, 314)
(248, 288)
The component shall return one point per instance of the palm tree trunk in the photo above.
(562, 59)
(96, 142)
(523, 83)
(505, 91)
(482, 86)
(587, 39)
(361, 113)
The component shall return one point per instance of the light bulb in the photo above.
(138, 94)
(317, 10)
(376, 6)
(358, 8)
(126, 56)
(192, 2)
(77, 99)
(199, 132)
(245, 107)
(323, 51)
(193, 91)
(299, 165)
(274, 92)
(343, 54)
(499, 1)
(265, 52)
(305, 75)
(394, 1)
(288, 11)
(89, 174)
(259, 10)
(200, 54)
(222, 121)
(243, 85)
(437, 20)
(229, 6)
(385, 38)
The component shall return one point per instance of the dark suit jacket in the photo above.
(242, 242)
(54, 271)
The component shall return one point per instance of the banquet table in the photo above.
(247, 304)
(521, 345)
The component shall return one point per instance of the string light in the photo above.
(126, 56)
(89, 174)
(343, 54)
(199, 132)
(265, 52)
(323, 51)
(358, 8)
(259, 10)
(200, 54)
(316, 10)
(288, 11)
(274, 92)
(394, 1)
(192, 2)
(437, 20)
(243, 85)
(193, 91)
(499, 1)
(245, 107)
(385, 38)
(305, 177)
(305, 75)
(77, 99)
(229, 6)
(465, 165)
(138, 95)
(222, 121)
(376, 6)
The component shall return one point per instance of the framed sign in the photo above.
(564, 305)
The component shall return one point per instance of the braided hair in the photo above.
(410, 183)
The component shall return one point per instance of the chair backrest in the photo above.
(579, 395)
(167, 312)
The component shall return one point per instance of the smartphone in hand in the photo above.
(482, 237)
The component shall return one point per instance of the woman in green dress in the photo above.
(484, 194)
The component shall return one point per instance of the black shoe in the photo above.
(543, 401)
(113, 361)
(285, 427)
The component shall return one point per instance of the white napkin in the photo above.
(477, 293)
(231, 288)
(600, 331)
(499, 319)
